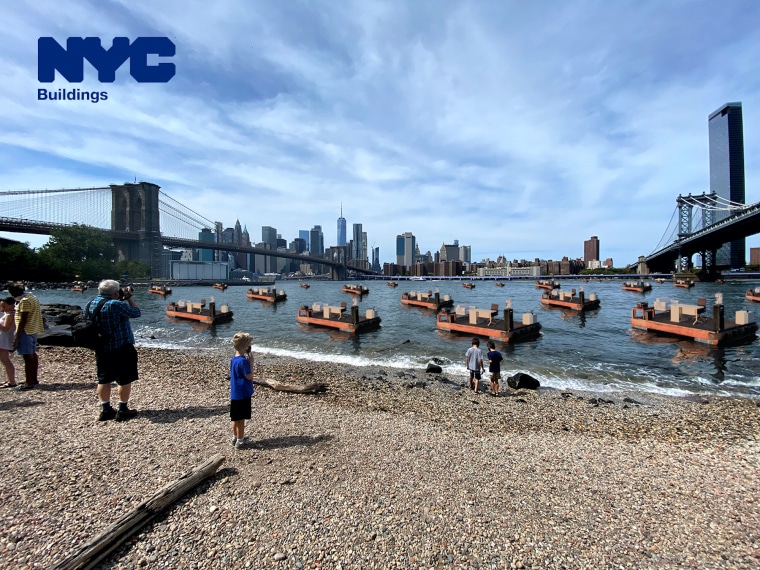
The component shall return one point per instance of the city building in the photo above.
(316, 241)
(204, 254)
(406, 245)
(726, 132)
(269, 235)
(304, 235)
(341, 228)
(754, 256)
(591, 252)
(356, 242)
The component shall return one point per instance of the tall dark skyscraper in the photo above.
(356, 252)
(726, 131)
(590, 251)
(341, 228)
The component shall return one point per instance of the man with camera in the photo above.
(116, 359)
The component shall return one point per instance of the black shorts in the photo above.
(475, 374)
(240, 409)
(118, 365)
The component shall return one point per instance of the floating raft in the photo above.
(334, 317)
(543, 284)
(637, 286)
(198, 312)
(468, 285)
(266, 294)
(684, 321)
(162, 290)
(753, 295)
(304, 285)
(220, 286)
(684, 283)
(499, 284)
(482, 322)
(391, 284)
(355, 289)
(79, 288)
(570, 300)
(427, 300)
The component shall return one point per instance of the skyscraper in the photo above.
(316, 241)
(356, 237)
(341, 228)
(406, 245)
(590, 251)
(269, 235)
(726, 131)
(304, 235)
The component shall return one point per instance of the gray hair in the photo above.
(108, 287)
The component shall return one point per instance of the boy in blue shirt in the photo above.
(241, 388)
(494, 366)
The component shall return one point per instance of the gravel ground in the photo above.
(384, 470)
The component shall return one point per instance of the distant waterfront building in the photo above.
(591, 252)
(726, 133)
(376, 260)
(341, 228)
(754, 256)
(406, 245)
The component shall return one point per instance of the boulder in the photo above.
(522, 380)
(433, 369)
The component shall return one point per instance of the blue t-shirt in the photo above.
(240, 388)
(495, 357)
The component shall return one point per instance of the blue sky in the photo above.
(519, 128)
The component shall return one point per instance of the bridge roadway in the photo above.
(738, 226)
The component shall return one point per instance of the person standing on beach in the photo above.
(116, 360)
(494, 366)
(473, 360)
(241, 388)
(7, 334)
(28, 325)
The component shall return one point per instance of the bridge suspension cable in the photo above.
(671, 237)
(89, 206)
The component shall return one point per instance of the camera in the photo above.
(125, 293)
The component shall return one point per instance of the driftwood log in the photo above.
(295, 388)
(106, 542)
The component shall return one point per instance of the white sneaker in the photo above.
(243, 443)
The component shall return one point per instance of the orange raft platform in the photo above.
(570, 300)
(220, 286)
(427, 300)
(334, 317)
(637, 286)
(160, 290)
(685, 321)
(391, 284)
(199, 313)
(266, 294)
(753, 295)
(547, 284)
(468, 285)
(355, 289)
(481, 322)
(304, 285)
(684, 283)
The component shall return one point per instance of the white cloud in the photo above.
(518, 128)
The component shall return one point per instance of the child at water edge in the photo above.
(473, 360)
(241, 388)
(494, 366)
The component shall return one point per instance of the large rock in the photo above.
(433, 369)
(522, 380)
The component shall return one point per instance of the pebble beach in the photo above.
(385, 469)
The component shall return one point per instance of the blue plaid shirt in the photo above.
(114, 320)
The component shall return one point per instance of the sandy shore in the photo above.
(381, 471)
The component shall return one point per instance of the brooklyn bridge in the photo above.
(142, 220)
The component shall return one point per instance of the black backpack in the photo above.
(88, 333)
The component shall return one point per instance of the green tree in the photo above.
(18, 262)
(78, 252)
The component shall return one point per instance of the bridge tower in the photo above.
(339, 254)
(685, 220)
(134, 210)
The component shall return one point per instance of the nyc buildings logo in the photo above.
(69, 63)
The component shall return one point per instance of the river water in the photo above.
(596, 351)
